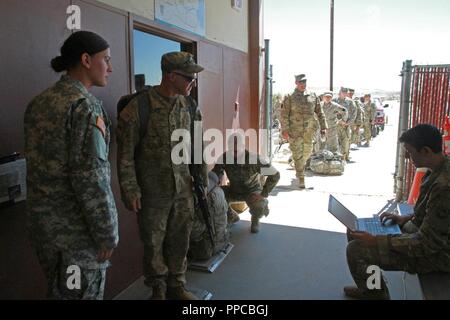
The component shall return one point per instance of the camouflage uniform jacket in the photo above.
(70, 202)
(145, 165)
(351, 108)
(246, 178)
(300, 114)
(432, 217)
(360, 111)
(370, 111)
(333, 113)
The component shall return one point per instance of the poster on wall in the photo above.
(188, 15)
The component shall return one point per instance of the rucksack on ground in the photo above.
(327, 163)
(200, 247)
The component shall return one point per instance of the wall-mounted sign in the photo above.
(236, 4)
(188, 15)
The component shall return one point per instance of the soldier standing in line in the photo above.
(155, 187)
(300, 115)
(333, 113)
(370, 110)
(359, 120)
(344, 126)
(71, 213)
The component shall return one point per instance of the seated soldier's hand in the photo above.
(285, 135)
(367, 239)
(134, 205)
(254, 197)
(323, 132)
(396, 218)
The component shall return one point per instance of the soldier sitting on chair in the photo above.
(424, 245)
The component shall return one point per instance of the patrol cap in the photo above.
(351, 90)
(328, 94)
(300, 78)
(180, 61)
(344, 90)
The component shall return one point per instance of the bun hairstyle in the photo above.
(78, 43)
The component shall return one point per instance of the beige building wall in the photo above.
(227, 25)
(143, 8)
(224, 24)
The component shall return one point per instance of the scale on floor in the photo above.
(213, 263)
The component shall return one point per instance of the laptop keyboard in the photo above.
(373, 226)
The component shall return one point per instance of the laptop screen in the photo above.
(342, 213)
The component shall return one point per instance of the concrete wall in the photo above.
(224, 24)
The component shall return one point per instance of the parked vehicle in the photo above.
(380, 117)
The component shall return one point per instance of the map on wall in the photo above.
(188, 15)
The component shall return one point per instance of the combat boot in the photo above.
(159, 293)
(301, 182)
(356, 293)
(254, 228)
(180, 293)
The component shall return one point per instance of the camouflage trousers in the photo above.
(356, 137)
(367, 131)
(258, 209)
(344, 140)
(57, 269)
(165, 226)
(332, 140)
(301, 149)
(360, 257)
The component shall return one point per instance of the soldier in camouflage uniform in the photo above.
(344, 126)
(424, 245)
(300, 117)
(152, 185)
(359, 120)
(244, 170)
(333, 113)
(370, 111)
(71, 213)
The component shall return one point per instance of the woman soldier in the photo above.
(72, 216)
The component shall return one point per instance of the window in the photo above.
(148, 49)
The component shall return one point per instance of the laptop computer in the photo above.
(370, 225)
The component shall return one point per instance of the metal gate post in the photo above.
(403, 125)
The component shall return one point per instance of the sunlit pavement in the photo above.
(365, 187)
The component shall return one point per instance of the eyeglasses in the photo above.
(187, 78)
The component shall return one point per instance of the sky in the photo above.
(372, 39)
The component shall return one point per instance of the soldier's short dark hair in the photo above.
(423, 135)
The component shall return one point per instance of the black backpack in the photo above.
(143, 103)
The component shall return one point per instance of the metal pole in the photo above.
(271, 108)
(331, 43)
(402, 127)
(267, 90)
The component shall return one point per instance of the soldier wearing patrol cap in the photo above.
(359, 118)
(300, 116)
(333, 114)
(344, 125)
(159, 190)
